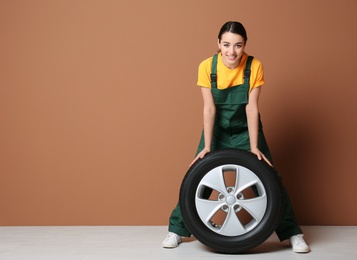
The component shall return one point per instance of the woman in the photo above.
(234, 121)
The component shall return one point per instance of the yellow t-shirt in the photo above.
(227, 77)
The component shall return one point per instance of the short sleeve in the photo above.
(257, 74)
(204, 72)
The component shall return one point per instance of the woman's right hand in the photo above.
(200, 155)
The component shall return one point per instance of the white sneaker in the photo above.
(298, 244)
(172, 240)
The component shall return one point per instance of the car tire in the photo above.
(231, 201)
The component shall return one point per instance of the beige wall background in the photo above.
(100, 114)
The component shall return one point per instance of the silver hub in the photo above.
(231, 200)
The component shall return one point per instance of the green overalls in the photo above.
(231, 131)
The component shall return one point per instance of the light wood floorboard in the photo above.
(144, 242)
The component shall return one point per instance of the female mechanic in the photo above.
(234, 122)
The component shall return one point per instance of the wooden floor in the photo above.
(144, 242)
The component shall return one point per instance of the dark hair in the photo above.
(233, 27)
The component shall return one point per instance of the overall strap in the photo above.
(247, 70)
(214, 72)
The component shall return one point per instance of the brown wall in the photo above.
(100, 115)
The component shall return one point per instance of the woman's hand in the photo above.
(200, 155)
(260, 156)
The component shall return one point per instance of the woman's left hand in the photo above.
(260, 156)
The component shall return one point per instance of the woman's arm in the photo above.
(252, 111)
(209, 113)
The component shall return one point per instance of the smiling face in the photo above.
(232, 48)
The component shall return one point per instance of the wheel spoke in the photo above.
(207, 208)
(256, 207)
(215, 180)
(232, 226)
(245, 179)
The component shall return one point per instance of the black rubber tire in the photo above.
(212, 239)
